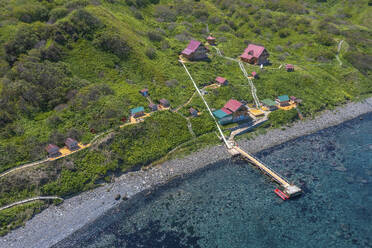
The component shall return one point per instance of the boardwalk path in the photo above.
(30, 200)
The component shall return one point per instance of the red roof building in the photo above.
(254, 74)
(221, 81)
(233, 105)
(255, 54)
(195, 51)
(289, 67)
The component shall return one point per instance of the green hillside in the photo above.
(75, 68)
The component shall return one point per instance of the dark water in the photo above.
(230, 204)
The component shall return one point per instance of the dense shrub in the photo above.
(112, 42)
(325, 39)
(31, 13)
(164, 13)
(57, 13)
(151, 53)
(281, 117)
(155, 36)
(25, 39)
(363, 62)
(80, 24)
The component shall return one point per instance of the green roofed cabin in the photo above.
(137, 112)
(270, 104)
(283, 100)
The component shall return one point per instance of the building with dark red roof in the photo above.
(289, 67)
(255, 54)
(195, 51)
(53, 150)
(72, 144)
(221, 81)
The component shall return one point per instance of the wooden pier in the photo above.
(289, 189)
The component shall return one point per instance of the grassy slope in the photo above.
(321, 84)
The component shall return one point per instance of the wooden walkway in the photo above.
(30, 200)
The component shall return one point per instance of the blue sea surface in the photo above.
(231, 204)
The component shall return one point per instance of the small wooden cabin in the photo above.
(211, 40)
(289, 67)
(153, 107)
(53, 150)
(221, 81)
(255, 54)
(137, 112)
(164, 103)
(72, 144)
(195, 51)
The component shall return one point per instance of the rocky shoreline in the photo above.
(58, 222)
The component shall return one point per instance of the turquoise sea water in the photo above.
(231, 204)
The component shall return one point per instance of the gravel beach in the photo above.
(58, 222)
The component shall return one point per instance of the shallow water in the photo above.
(231, 204)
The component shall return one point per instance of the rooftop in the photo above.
(268, 102)
(220, 114)
(233, 105)
(283, 98)
(252, 51)
(137, 110)
(191, 47)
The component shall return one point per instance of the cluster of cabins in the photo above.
(54, 151)
(253, 54)
(236, 111)
(282, 101)
(140, 111)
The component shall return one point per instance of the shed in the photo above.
(289, 67)
(195, 51)
(223, 117)
(72, 144)
(255, 74)
(211, 40)
(153, 107)
(255, 54)
(144, 92)
(137, 112)
(53, 150)
(221, 81)
(193, 112)
(164, 103)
